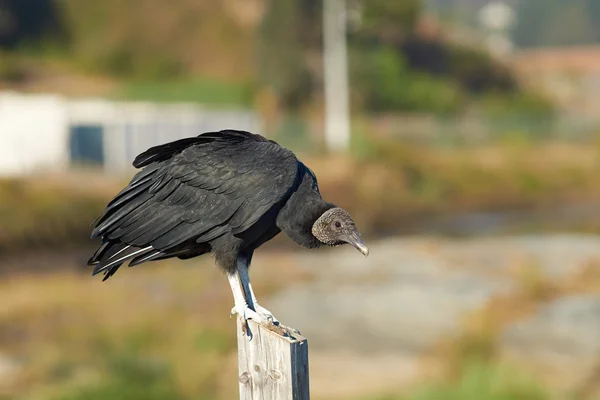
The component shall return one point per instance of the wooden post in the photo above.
(272, 366)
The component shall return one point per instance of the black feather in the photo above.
(223, 192)
(145, 257)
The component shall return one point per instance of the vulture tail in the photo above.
(110, 256)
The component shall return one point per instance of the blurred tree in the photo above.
(289, 55)
(477, 72)
(384, 82)
(151, 39)
(289, 31)
(28, 22)
(389, 20)
(400, 66)
(113, 37)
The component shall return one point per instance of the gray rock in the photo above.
(411, 292)
(413, 306)
(400, 258)
(555, 255)
(564, 331)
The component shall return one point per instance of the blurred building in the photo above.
(52, 132)
(570, 75)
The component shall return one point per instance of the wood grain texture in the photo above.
(272, 366)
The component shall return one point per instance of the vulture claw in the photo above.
(244, 314)
(263, 317)
(266, 313)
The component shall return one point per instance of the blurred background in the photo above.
(469, 158)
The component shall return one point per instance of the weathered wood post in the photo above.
(272, 366)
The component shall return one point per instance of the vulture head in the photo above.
(336, 227)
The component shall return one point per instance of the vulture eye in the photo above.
(338, 224)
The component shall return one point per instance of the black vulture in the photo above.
(224, 193)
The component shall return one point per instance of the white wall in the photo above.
(35, 129)
(33, 133)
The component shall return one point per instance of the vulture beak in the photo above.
(355, 240)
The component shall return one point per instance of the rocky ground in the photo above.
(380, 319)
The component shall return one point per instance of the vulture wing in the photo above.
(194, 189)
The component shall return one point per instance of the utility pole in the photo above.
(337, 113)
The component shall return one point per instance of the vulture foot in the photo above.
(268, 315)
(263, 317)
(265, 313)
(244, 314)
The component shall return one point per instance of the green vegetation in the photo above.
(395, 67)
(35, 214)
(385, 82)
(157, 41)
(131, 377)
(208, 91)
(12, 68)
(196, 50)
(289, 31)
(391, 18)
(206, 52)
(87, 340)
(480, 381)
(397, 184)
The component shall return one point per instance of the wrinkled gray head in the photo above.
(336, 227)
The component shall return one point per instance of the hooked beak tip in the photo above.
(364, 250)
(359, 245)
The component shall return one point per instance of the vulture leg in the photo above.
(241, 307)
(245, 278)
(245, 305)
